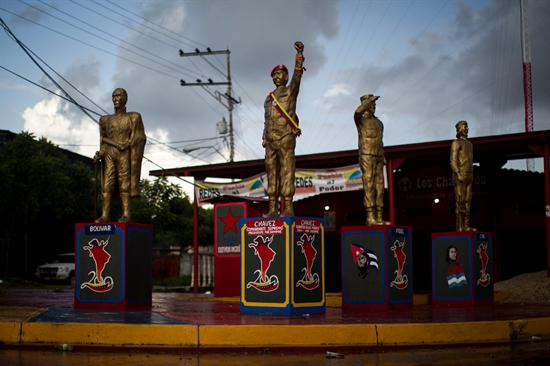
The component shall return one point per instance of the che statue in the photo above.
(279, 136)
(463, 175)
(122, 141)
(371, 158)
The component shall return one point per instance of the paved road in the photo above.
(529, 354)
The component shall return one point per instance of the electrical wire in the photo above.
(144, 25)
(155, 24)
(177, 68)
(109, 34)
(46, 89)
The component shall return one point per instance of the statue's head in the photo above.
(120, 97)
(371, 100)
(461, 129)
(279, 74)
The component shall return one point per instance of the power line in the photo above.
(89, 45)
(148, 21)
(109, 34)
(228, 96)
(172, 45)
(46, 89)
(24, 48)
(177, 68)
(68, 96)
(107, 52)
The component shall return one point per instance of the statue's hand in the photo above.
(98, 157)
(299, 46)
(297, 132)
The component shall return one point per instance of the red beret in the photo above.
(279, 67)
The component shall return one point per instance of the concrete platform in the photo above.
(178, 320)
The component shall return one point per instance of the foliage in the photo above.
(42, 194)
(166, 206)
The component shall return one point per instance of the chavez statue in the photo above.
(371, 158)
(279, 136)
(122, 141)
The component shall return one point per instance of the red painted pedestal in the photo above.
(227, 244)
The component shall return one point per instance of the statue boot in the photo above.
(459, 224)
(378, 216)
(289, 209)
(272, 208)
(467, 226)
(105, 208)
(371, 219)
(125, 203)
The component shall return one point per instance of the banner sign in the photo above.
(308, 183)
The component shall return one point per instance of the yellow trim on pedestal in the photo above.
(243, 284)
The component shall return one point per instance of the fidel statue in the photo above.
(371, 158)
(462, 160)
(122, 141)
(279, 136)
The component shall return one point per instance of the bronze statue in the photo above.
(122, 141)
(463, 175)
(371, 158)
(279, 137)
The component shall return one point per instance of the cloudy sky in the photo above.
(433, 62)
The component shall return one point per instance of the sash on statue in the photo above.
(289, 120)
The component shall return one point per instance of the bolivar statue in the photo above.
(371, 158)
(122, 141)
(280, 132)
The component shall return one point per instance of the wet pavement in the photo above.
(535, 354)
(40, 317)
(188, 308)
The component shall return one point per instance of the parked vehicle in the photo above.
(61, 268)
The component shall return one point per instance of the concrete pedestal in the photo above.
(462, 268)
(282, 265)
(113, 266)
(376, 267)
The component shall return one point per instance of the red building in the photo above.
(513, 204)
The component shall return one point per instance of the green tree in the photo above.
(42, 194)
(166, 206)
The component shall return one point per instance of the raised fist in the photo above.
(299, 46)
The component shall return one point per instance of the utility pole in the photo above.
(226, 99)
(527, 81)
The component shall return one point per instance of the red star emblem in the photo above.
(229, 222)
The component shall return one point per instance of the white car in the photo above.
(61, 268)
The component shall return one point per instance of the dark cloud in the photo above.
(474, 73)
(259, 34)
(33, 13)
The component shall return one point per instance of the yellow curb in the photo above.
(537, 326)
(287, 335)
(9, 332)
(443, 333)
(110, 334)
